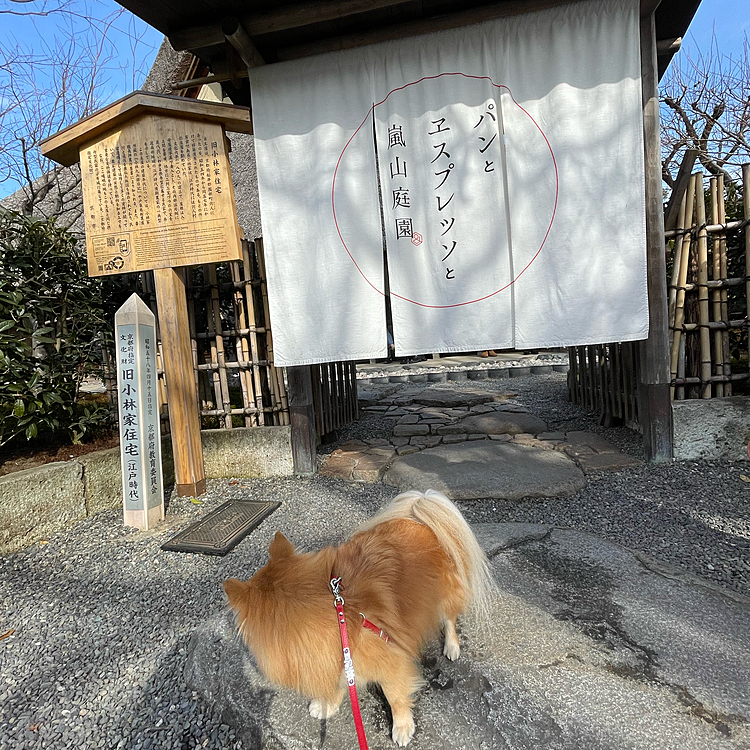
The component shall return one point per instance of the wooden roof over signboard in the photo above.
(63, 147)
(229, 35)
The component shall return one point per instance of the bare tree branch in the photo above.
(707, 107)
(65, 76)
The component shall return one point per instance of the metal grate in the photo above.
(222, 529)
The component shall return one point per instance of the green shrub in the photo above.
(53, 324)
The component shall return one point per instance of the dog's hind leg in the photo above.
(399, 682)
(451, 607)
(451, 647)
(323, 708)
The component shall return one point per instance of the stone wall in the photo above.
(39, 502)
(717, 428)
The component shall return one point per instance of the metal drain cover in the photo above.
(222, 529)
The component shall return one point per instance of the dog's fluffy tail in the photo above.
(435, 510)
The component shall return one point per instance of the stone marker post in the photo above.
(140, 434)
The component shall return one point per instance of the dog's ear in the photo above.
(236, 591)
(280, 546)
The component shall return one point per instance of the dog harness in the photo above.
(338, 602)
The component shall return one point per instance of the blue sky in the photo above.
(730, 19)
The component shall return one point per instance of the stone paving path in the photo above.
(440, 422)
(463, 367)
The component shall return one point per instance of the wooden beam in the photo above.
(286, 17)
(648, 8)
(417, 27)
(668, 47)
(236, 35)
(654, 403)
(63, 146)
(206, 80)
(182, 395)
(302, 418)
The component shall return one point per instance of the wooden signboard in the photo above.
(158, 194)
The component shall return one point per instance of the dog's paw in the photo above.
(403, 731)
(320, 709)
(452, 649)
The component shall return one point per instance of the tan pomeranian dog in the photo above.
(407, 572)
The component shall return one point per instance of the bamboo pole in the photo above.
(679, 311)
(746, 213)
(202, 395)
(703, 309)
(325, 400)
(276, 375)
(253, 321)
(269, 375)
(720, 228)
(718, 335)
(676, 262)
(572, 375)
(681, 370)
(723, 274)
(215, 379)
(241, 346)
(215, 315)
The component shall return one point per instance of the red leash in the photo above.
(338, 601)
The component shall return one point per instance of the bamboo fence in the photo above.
(701, 320)
(604, 378)
(237, 384)
(703, 317)
(334, 395)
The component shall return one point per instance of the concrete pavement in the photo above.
(590, 647)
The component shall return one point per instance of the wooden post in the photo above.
(655, 408)
(302, 415)
(184, 420)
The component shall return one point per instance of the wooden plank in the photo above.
(418, 27)
(64, 146)
(286, 17)
(355, 394)
(654, 405)
(190, 474)
(302, 416)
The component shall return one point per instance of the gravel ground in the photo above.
(103, 619)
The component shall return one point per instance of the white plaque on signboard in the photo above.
(140, 434)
